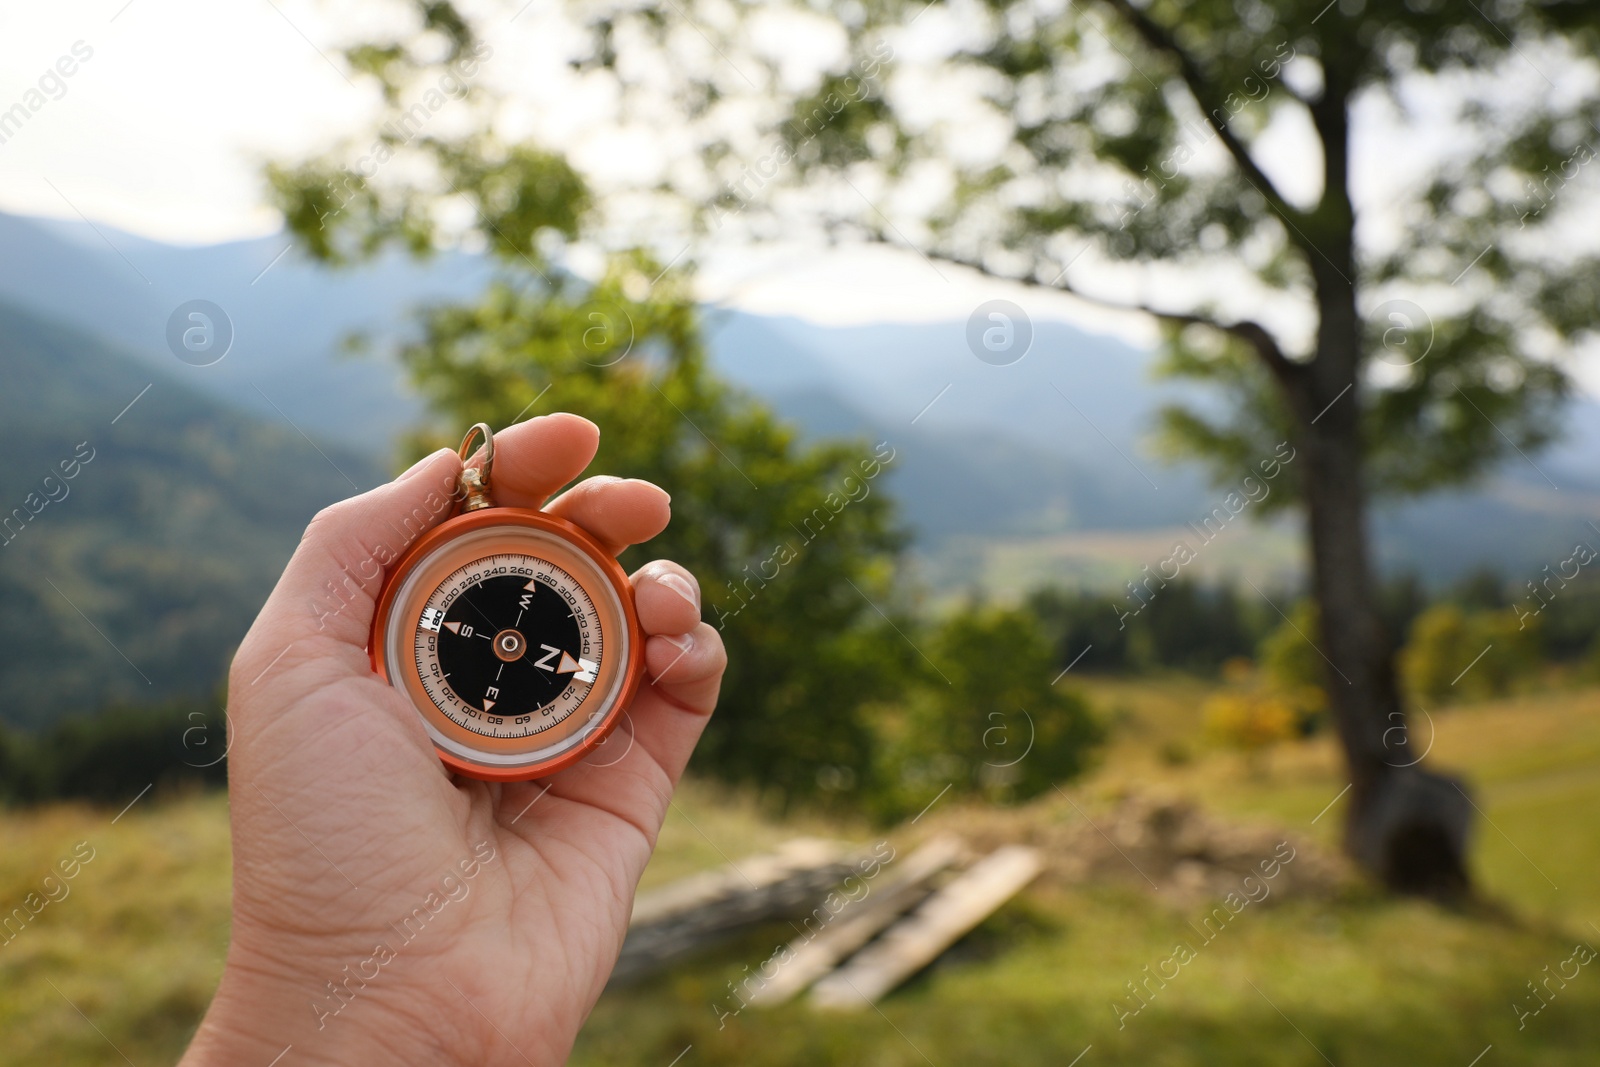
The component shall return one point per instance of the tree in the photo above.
(1115, 146)
(1398, 340)
(988, 717)
(793, 543)
(1189, 627)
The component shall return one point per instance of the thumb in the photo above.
(331, 584)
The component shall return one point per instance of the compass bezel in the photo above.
(475, 535)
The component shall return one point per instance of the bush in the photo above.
(1568, 621)
(1294, 670)
(986, 718)
(112, 757)
(1457, 653)
(1251, 720)
(1589, 666)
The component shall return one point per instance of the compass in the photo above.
(512, 632)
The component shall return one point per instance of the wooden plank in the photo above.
(680, 918)
(810, 956)
(917, 940)
(735, 879)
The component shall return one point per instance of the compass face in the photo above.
(514, 636)
(508, 645)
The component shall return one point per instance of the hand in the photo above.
(384, 911)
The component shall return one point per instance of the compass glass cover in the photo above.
(503, 637)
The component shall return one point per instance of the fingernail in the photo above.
(682, 642)
(421, 463)
(653, 485)
(680, 585)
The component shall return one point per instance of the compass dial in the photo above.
(514, 635)
(508, 646)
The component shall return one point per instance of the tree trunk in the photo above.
(1407, 826)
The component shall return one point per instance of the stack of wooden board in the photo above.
(921, 937)
(691, 914)
(856, 953)
(813, 955)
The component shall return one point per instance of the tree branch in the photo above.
(1252, 333)
(1160, 39)
(1249, 331)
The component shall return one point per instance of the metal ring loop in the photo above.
(466, 450)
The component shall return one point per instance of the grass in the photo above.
(1011, 567)
(137, 944)
(1367, 981)
(1532, 763)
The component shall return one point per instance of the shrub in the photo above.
(1293, 668)
(1456, 653)
(987, 717)
(112, 757)
(1250, 720)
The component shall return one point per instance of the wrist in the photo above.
(265, 1014)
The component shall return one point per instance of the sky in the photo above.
(162, 131)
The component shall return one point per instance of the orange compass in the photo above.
(513, 632)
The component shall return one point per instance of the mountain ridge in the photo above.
(134, 578)
(1053, 443)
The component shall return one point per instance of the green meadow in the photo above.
(127, 959)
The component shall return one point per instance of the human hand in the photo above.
(345, 823)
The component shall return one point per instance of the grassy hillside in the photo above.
(138, 943)
(133, 579)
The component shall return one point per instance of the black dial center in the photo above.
(509, 645)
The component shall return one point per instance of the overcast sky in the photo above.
(163, 129)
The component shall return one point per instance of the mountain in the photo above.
(143, 522)
(288, 317)
(1020, 470)
(968, 471)
(1016, 475)
(1051, 442)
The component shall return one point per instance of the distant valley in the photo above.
(1008, 477)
